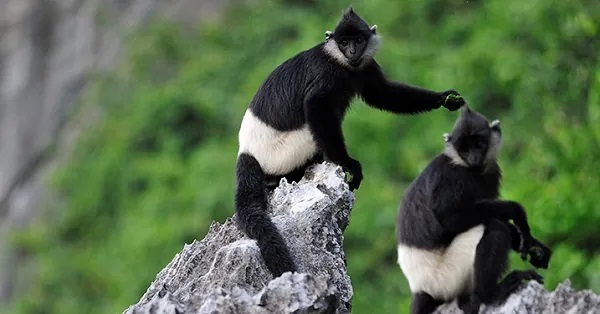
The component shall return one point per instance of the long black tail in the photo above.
(252, 218)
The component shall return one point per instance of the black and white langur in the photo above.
(295, 119)
(454, 234)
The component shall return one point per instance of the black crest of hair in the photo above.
(458, 190)
(350, 25)
(315, 88)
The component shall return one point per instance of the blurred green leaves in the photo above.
(160, 166)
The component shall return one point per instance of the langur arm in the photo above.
(401, 98)
(327, 132)
(458, 217)
(465, 217)
(505, 210)
(510, 210)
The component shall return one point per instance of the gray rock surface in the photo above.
(533, 299)
(224, 272)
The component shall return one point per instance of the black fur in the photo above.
(447, 199)
(423, 303)
(315, 89)
(252, 216)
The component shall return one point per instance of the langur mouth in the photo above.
(473, 161)
(356, 62)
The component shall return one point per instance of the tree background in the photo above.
(159, 166)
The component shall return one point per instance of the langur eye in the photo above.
(359, 41)
(344, 43)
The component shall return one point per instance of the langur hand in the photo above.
(451, 100)
(539, 254)
(354, 167)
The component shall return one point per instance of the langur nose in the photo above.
(473, 160)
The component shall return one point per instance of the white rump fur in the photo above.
(443, 274)
(277, 152)
(332, 49)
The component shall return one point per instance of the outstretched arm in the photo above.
(326, 128)
(400, 98)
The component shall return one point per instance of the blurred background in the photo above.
(119, 120)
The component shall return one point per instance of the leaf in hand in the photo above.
(453, 98)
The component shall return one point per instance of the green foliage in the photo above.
(160, 166)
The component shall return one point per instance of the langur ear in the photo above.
(495, 124)
(447, 137)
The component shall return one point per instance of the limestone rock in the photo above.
(225, 273)
(533, 299)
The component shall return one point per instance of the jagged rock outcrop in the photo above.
(224, 272)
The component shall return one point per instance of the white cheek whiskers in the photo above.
(454, 156)
(331, 48)
(372, 47)
(495, 143)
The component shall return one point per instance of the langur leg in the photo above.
(423, 303)
(491, 260)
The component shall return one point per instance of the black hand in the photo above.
(525, 247)
(355, 169)
(539, 255)
(451, 99)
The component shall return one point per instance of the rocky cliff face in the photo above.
(224, 273)
(48, 49)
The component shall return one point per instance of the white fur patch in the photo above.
(443, 274)
(277, 152)
(454, 156)
(447, 137)
(372, 47)
(495, 144)
(332, 49)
